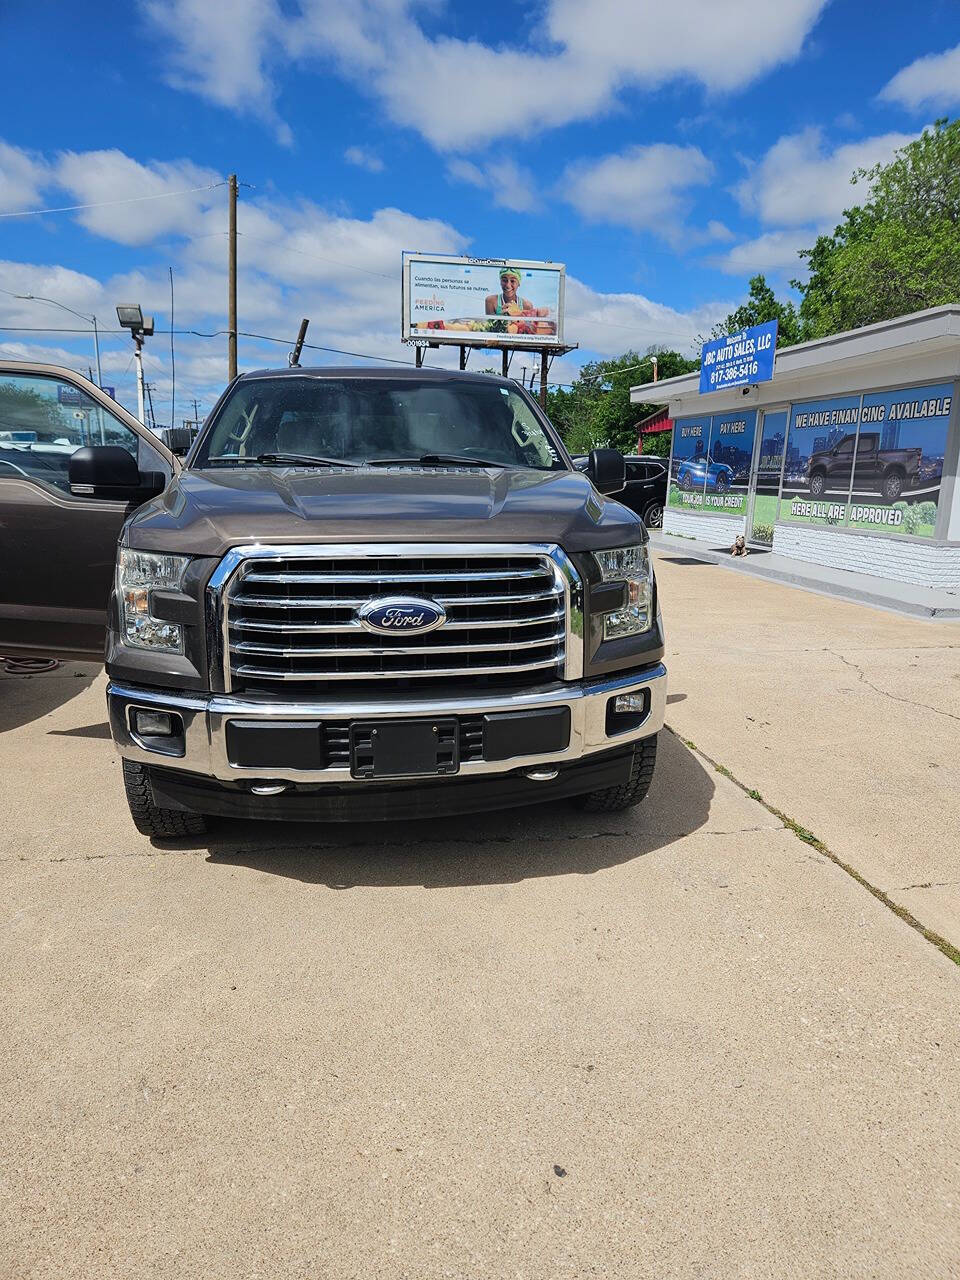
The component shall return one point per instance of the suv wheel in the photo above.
(818, 482)
(150, 819)
(614, 799)
(653, 515)
(892, 485)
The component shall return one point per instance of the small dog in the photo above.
(739, 547)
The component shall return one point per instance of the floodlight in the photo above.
(130, 316)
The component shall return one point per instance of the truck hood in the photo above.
(205, 513)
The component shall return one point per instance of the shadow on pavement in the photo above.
(491, 848)
(26, 698)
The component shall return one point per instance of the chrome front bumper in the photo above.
(205, 717)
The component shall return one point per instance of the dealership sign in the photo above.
(482, 302)
(739, 359)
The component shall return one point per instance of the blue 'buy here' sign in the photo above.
(739, 359)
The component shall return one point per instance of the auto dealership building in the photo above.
(848, 457)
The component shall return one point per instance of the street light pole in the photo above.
(33, 297)
(138, 356)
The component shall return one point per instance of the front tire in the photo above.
(629, 793)
(149, 818)
(893, 485)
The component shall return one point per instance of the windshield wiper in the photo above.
(297, 459)
(435, 460)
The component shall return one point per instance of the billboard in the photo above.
(482, 302)
(739, 359)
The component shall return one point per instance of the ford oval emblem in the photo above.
(401, 615)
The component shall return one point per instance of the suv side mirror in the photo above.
(608, 470)
(107, 471)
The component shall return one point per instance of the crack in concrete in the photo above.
(930, 884)
(885, 693)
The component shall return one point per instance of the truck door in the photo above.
(841, 465)
(59, 548)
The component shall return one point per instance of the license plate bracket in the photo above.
(404, 748)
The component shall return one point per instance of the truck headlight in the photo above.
(139, 573)
(633, 567)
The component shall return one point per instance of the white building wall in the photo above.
(717, 530)
(900, 559)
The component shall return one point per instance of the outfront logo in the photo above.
(404, 615)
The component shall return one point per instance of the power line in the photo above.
(102, 204)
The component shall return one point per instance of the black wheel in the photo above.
(723, 482)
(893, 485)
(150, 819)
(818, 482)
(686, 481)
(653, 515)
(613, 799)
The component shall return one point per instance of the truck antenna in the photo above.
(294, 357)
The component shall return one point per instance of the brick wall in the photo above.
(900, 560)
(719, 531)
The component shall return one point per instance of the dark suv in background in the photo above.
(646, 489)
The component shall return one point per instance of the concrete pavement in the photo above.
(845, 717)
(677, 1042)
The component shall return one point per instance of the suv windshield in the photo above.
(360, 420)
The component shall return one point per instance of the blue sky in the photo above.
(663, 152)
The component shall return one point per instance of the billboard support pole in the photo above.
(463, 356)
(418, 354)
(543, 380)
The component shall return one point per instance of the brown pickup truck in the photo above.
(364, 593)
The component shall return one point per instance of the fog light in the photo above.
(630, 702)
(153, 724)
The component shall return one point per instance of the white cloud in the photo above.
(774, 251)
(642, 187)
(510, 185)
(23, 176)
(222, 51)
(364, 158)
(801, 182)
(610, 322)
(460, 94)
(932, 82)
(95, 176)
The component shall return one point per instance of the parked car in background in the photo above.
(646, 489)
(694, 472)
(884, 471)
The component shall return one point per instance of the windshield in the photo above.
(361, 420)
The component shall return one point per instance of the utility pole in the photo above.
(196, 411)
(232, 282)
(138, 356)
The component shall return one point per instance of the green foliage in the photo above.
(657, 446)
(596, 411)
(897, 252)
(761, 306)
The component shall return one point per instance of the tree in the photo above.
(760, 307)
(596, 411)
(897, 252)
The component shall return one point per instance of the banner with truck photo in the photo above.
(710, 463)
(482, 302)
(873, 462)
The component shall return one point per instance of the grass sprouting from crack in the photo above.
(948, 949)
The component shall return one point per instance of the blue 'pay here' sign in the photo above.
(739, 359)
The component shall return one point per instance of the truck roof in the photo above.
(402, 372)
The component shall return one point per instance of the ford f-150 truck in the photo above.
(364, 593)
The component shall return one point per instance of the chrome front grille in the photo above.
(290, 614)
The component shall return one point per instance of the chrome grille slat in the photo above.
(388, 579)
(344, 628)
(323, 676)
(291, 615)
(379, 651)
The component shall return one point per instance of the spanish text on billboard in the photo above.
(468, 301)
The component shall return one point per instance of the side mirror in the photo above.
(608, 470)
(107, 471)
